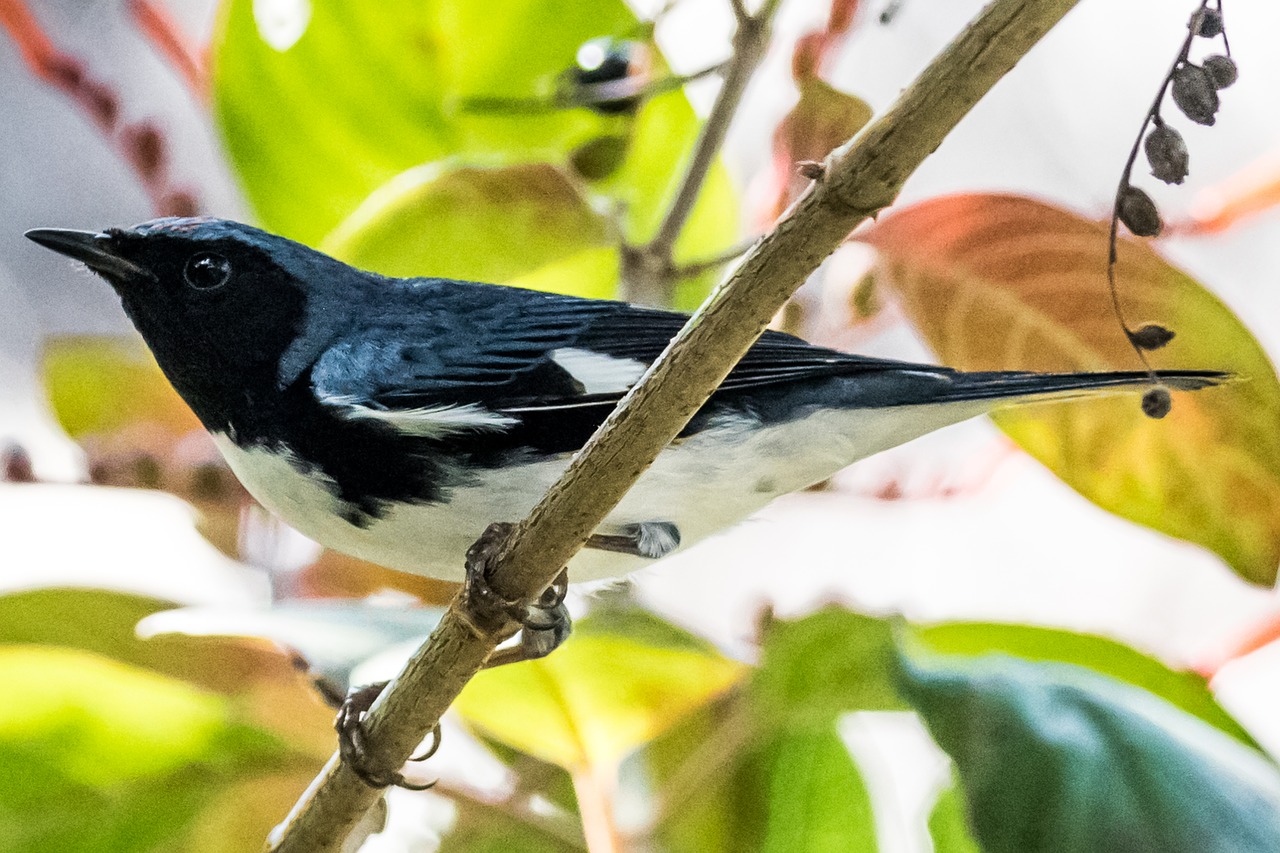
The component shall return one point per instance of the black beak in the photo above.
(94, 250)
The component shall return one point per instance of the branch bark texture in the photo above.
(860, 178)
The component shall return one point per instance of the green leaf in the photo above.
(102, 384)
(469, 222)
(996, 282)
(1186, 690)
(613, 686)
(1054, 757)
(100, 756)
(825, 664)
(948, 826)
(763, 768)
(318, 116)
(816, 798)
(261, 678)
(486, 828)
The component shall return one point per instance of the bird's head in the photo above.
(221, 304)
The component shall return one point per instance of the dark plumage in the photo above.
(466, 398)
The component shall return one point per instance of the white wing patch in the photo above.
(427, 421)
(599, 373)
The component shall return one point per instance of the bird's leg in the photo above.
(652, 540)
(352, 740)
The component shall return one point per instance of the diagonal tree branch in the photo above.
(860, 178)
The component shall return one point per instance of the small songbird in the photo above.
(395, 419)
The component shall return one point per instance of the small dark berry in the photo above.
(1151, 337)
(1194, 93)
(1221, 70)
(1138, 213)
(1167, 154)
(1156, 403)
(1210, 23)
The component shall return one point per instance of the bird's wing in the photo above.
(532, 352)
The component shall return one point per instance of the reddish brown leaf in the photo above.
(1001, 282)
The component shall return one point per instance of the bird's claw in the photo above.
(543, 623)
(353, 741)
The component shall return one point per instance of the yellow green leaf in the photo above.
(597, 698)
(469, 222)
(1000, 282)
(101, 384)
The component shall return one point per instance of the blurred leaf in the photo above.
(351, 96)
(1188, 691)
(823, 118)
(99, 756)
(484, 828)
(1054, 757)
(337, 575)
(102, 384)
(825, 664)
(817, 800)
(610, 688)
(948, 826)
(763, 768)
(240, 815)
(592, 273)
(264, 680)
(468, 222)
(999, 282)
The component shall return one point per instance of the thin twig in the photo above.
(1152, 115)
(694, 268)
(649, 270)
(863, 177)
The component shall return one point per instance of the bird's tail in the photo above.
(1027, 387)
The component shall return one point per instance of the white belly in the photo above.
(703, 484)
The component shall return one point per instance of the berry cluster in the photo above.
(1194, 90)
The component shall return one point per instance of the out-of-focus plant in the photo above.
(546, 143)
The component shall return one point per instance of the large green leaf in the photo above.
(1054, 757)
(474, 223)
(1184, 689)
(99, 756)
(262, 680)
(321, 111)
(998, 282)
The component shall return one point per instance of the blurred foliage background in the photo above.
(946, 648)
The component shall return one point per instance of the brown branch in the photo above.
(649, 270)
(862, 177)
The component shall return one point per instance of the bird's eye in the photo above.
(207, 270)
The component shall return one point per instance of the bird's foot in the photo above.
(353, 741)
(543, 623)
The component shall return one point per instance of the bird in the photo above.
(395, 419)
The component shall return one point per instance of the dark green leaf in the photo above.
(1187, 690)
(1055, 757)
